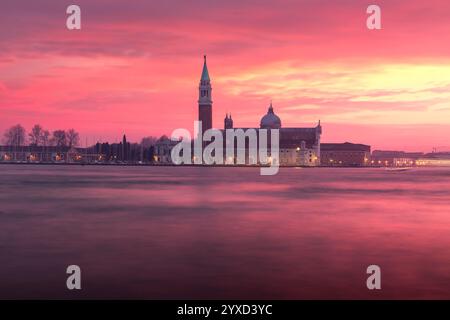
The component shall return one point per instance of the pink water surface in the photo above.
(186, 232)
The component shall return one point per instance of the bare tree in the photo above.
(59, 138)
(149, 141)
(15, 136)
(36, 135)
(73, 138)
(45, 138)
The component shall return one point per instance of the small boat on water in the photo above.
(400, 169)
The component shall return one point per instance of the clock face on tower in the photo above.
(317, 169)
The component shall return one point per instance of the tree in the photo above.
(59, 138)
(45, 138)
(15, 136)
(148, 142)
(36, 135)
(73, 138)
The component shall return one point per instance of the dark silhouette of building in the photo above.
(344, 154)
(204, 99)
(228, 122)
(125, 150)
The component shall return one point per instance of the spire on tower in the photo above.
(205, 73)
(205, 99)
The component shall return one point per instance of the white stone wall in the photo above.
(299, 157)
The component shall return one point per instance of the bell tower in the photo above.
(228, 122)
(204, 99)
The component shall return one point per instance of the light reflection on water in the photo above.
(170, 232)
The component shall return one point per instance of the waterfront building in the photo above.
(345, 154)
(124, 152)
(433, 159)
(45, 154)
(394, 158)
(162, 150)
(298, 146)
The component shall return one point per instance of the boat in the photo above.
(400, 169)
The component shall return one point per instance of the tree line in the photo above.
(38, 136)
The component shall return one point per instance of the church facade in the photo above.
(297, 146)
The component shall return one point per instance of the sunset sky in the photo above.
(134, 67)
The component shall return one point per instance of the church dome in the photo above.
(270, 120)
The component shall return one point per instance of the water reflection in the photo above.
(223, 232)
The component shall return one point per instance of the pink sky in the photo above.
(134, 67)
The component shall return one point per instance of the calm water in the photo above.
(223, 232)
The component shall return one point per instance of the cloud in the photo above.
(139, 62)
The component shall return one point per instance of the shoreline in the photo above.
(174, 165)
